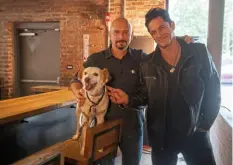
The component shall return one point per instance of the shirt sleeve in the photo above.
(212, 97)
(89, 63)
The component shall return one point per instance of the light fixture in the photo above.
(27, 34)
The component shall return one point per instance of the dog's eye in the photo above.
(85, 73)
(95, 74)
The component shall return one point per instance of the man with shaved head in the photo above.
(120, 43)
(123, 64)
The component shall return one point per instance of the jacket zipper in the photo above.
(178, 81)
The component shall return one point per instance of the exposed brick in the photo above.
(135, 13)
(76, 17)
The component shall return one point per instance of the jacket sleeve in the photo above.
(139, 98)
(212, 97)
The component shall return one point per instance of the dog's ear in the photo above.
(80, 73)
(106, 75)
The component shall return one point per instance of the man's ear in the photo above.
(173, 25)
(132, 34)
(80, 73)
(105, 75)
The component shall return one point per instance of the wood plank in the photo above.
(102, 128)
(47, 88)
(108, 132)
(106, 151)
(19, 108)
(71, 150)
(106, 139)
(26, 100)
(42, 156)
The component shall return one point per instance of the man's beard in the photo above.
(165, 46)
(121, 45)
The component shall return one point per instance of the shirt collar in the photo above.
(184, 53)
(108, 52)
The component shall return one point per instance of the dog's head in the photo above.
(93, 78)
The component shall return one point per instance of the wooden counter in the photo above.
(22, 107)
(47, 88)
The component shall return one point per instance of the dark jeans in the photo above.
(131, 148)
(196, 149)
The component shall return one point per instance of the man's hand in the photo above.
(188, 39)
(76, 88)
(118, 96)
(80, 97)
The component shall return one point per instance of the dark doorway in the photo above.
(38, 61)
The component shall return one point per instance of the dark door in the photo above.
(39, 59)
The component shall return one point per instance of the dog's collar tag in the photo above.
(94, 109)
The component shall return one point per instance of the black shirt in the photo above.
(124, 72)
(172, 127)
(124, 75)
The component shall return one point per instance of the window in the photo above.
(190, 17)
(227, 57)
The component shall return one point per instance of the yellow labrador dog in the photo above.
(96, 101)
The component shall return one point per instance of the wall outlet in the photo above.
(69, 66)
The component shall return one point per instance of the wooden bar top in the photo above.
(47, 88)
(22, 107)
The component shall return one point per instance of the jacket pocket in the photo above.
(191, 85)
(193, 121)
(150, 82)
(192, 88)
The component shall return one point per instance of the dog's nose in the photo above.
(87, 80)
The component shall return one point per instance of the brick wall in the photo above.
(136, 10)
(116, 7)
(76, 17)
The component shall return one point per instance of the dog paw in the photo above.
(75, 137)
(82, 151)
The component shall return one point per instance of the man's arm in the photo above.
(212, 97)
(135, 100)
(75, 85)
(140, 98)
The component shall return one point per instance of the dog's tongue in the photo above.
(88, 87)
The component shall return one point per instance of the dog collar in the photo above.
(95, 104)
